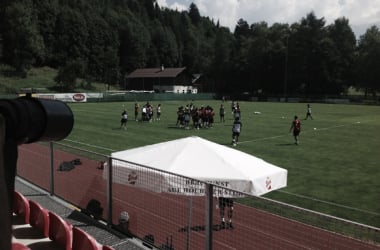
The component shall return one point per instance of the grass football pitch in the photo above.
(335, 169)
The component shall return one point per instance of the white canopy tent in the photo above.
(182, 166)
(198, 159)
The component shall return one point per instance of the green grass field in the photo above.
(334, 170)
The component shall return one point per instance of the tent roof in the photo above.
(205, 160)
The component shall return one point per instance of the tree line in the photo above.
(105, 40)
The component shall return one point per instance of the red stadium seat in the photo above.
(39, 217)
(82, 240)
(21, 206)
(60, 231)
(19, 246)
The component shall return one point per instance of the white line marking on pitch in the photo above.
(303, 132)
(330, 203)
(90, 145)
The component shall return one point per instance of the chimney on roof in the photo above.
(162, 67)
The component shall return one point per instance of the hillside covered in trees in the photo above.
(105, 40)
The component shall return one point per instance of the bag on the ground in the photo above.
(66, 166)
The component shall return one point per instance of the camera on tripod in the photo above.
(25, 120)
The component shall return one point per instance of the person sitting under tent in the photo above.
(229, 203)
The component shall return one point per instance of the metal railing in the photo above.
(137, 200)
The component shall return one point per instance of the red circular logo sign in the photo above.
(79, 97)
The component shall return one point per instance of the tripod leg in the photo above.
(8, 162)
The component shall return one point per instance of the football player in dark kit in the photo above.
(296, 127)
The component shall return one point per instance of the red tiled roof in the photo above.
(156, 73)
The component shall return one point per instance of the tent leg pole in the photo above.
(209, 211)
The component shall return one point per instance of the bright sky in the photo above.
(361, 14)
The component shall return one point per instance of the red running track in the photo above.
(164, 215)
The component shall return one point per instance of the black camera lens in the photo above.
(30, 119)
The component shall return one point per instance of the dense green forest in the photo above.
(104, 40)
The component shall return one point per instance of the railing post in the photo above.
(209, 211)
(51, 168)
(189, 223)
(109, 191)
